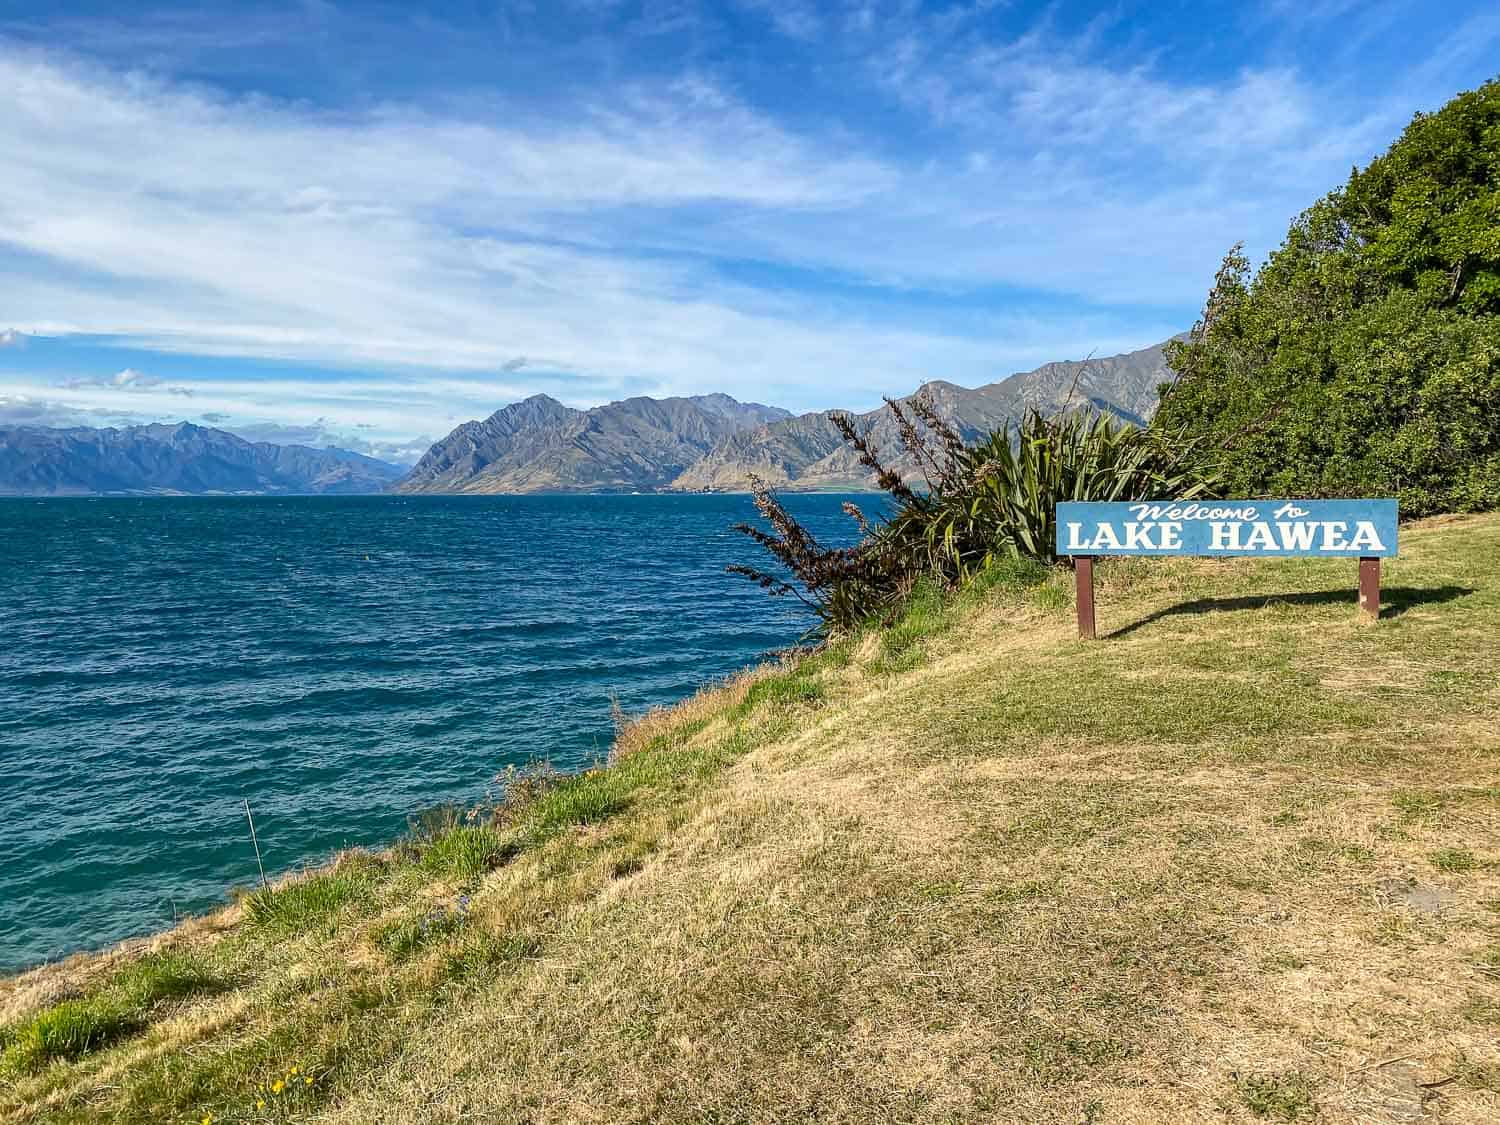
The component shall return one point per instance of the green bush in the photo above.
(1363, 358)
(999, 498)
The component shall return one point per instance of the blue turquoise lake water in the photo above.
(341, 662)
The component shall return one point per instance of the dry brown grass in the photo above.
(634, 733)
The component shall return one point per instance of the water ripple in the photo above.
(341, 662)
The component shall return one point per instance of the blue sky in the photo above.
(362, 224)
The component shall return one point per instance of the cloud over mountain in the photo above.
(133, 381)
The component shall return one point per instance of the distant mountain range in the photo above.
(713, 443)
(162, 459)
(540, 445)
(705, 443)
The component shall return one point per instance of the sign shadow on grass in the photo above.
(1394, 601)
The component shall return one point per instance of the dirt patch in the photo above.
(1420, 897)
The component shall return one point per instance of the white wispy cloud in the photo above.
(447, 257)
(34, 410)
(192, 224)
(324, 433)
(131, 381)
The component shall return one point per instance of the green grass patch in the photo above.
(1280, 1097)
(1070, 1056)
(926, 614)
(1023, 891)
(831, 656)
(482, 951)
(402, 938)
(1483, 1010)
(299, 906)
(679, 735)
(465, 853)
(75, 1027)
(1053, 596)
(1417, 804)
(1455, 861)
(1282, 963)
(781, 689)
(338, 1025)
(67, 1031)
(586, 798)
(161, 977)
(1010, 576)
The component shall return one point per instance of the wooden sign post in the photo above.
(1362, 529)
(1083, 568)
(1369, 586)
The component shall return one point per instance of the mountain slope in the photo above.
(506, 441)
(540, 445)
(40, 461)
(806, 453)
(1237, 863)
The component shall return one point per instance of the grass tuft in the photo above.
(926, 614)
(481, 951)
(67, 1031)
(1281, 1097)
(467, 852)
(75, 1027)
(402, 938)
(300, 905)
(1456, 861)
(782, 689)
(587, 798)
(1010, 575)
(161, 977)
(1417, 805)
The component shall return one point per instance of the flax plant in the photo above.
(961, 507)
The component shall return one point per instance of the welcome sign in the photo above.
(1362, 529)
(1334, 528)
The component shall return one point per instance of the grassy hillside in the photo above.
(1238, 862)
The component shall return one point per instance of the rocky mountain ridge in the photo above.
(714, 444)
(540, 445)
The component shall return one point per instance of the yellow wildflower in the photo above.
(291, 1072)
(278, 1086)
(260, 1103)
(208, 1119)
(308, 1080)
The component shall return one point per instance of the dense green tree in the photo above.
(1363, 358)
